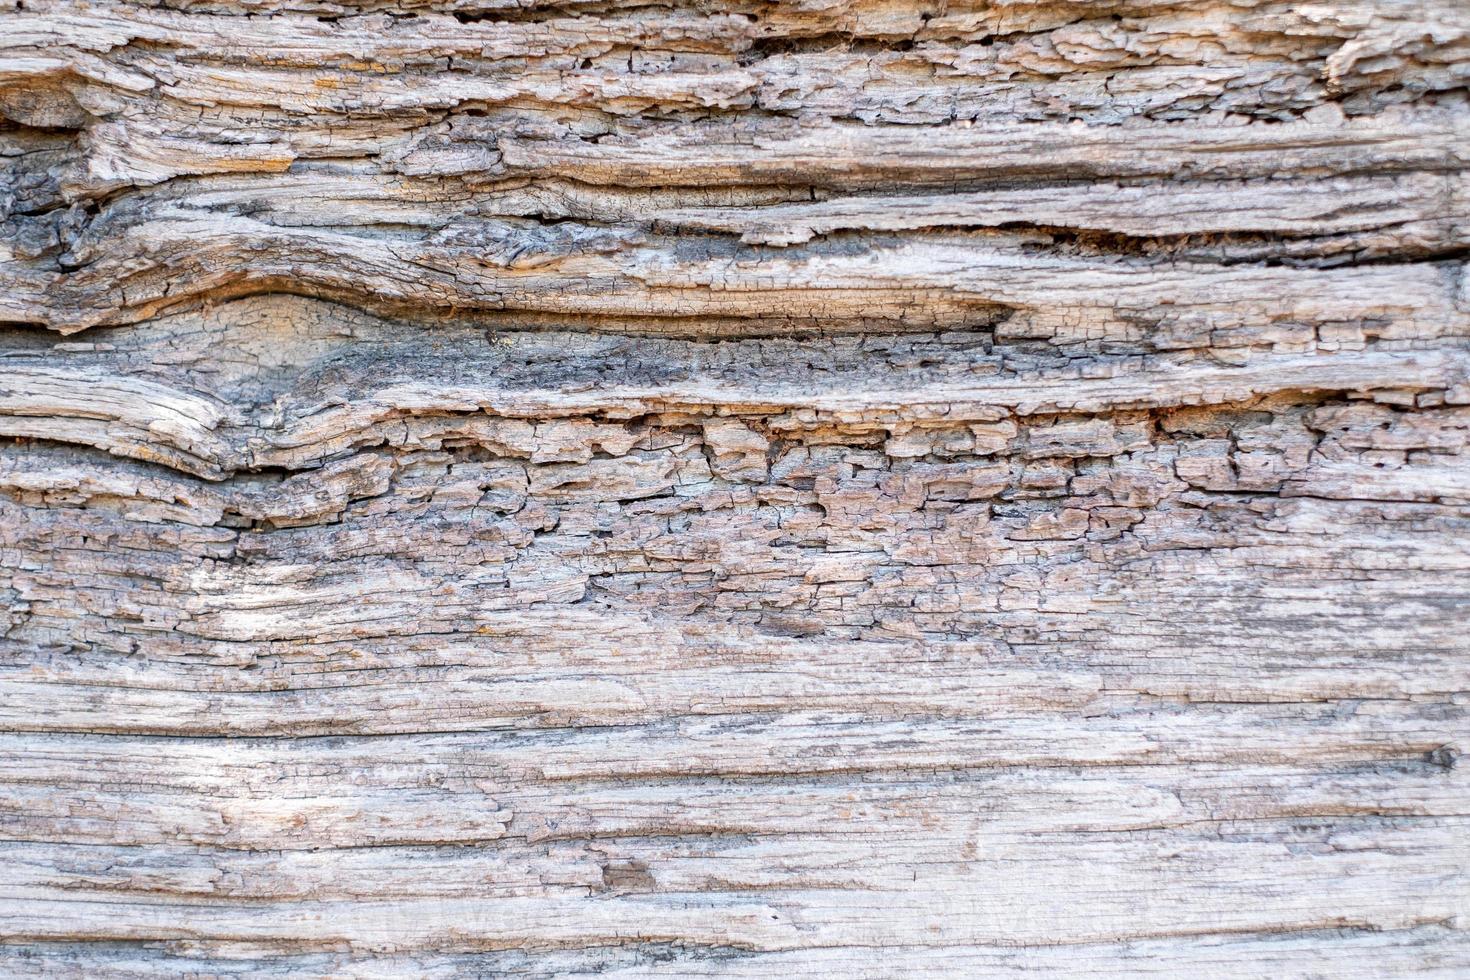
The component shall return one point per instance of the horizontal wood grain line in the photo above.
(198, 434)
(1353, 954)
(143, 268)
(763, 920)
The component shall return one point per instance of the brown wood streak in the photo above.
(859, 489)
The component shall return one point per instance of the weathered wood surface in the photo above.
(821, 488)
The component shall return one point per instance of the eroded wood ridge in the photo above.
(849, 489)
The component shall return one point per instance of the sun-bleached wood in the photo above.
(837, 488)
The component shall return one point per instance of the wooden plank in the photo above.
(871, 488)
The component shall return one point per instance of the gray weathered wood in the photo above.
(844, 488)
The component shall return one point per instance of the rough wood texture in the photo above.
(842, 488)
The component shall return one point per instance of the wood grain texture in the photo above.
(839, 488)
